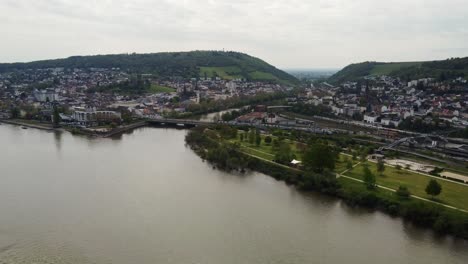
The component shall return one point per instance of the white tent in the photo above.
(295, 162)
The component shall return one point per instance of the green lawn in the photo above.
(160, 89)
(386, 69)
(354, 186)
(340, 164)
(265, 149)
(452, 194)
(257, 75)
(227, 73)
(258, 153)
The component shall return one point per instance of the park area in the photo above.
(453, 193)
(266, 150)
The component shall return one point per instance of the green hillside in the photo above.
(446, 69)
(388, 68)
(228, 65)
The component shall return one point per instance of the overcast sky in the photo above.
(288, 34)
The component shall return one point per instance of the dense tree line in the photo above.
(461, 133)
(231, 115)
(311, 110)
(419, 125)
(136, 85)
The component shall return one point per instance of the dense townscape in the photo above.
(426, 104)
(82, 95)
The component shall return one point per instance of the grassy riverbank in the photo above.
(453, 194)
(227, 152)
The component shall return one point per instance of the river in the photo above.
(147, 198)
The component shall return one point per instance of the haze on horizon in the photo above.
(288, 34)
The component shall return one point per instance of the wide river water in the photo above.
(147, 198)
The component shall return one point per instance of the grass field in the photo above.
(160, 89)
(341, 163)
(257, 75)
(452, 193)
(386, 69)
(264, 150)
(228, 73)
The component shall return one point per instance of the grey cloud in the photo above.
(294, 33)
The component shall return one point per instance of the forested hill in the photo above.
(442, 70)
(228, 65)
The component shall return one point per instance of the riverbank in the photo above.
(442, 219)
(74, 130)
(28, 124)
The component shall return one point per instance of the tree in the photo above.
(369, 178)
(258, 138)
(251, 136)
(15, 112)
(284, 154)
(276, 145)
(363, 156)
(403, 192)
(349, 164)
(433, 188)
(319, 157)
(126, 116)
(56, 116)
(217, 117)
(380, 166)
(267, 139)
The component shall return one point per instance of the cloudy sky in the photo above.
(288, 34)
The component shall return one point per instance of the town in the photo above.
(87, 98)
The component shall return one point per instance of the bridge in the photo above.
(194, 123)
(413, 140)
(179, 122)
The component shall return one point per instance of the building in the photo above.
(89, 116)
(252, 118)
(370, 118)
(390, 122)
(47, 95)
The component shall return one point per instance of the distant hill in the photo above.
(445, 69)
(228, 65)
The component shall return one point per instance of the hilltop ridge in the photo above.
(227, 65)
(443, 69)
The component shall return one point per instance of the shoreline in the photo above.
(437, 217)
(45, 127)
(17, 122)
